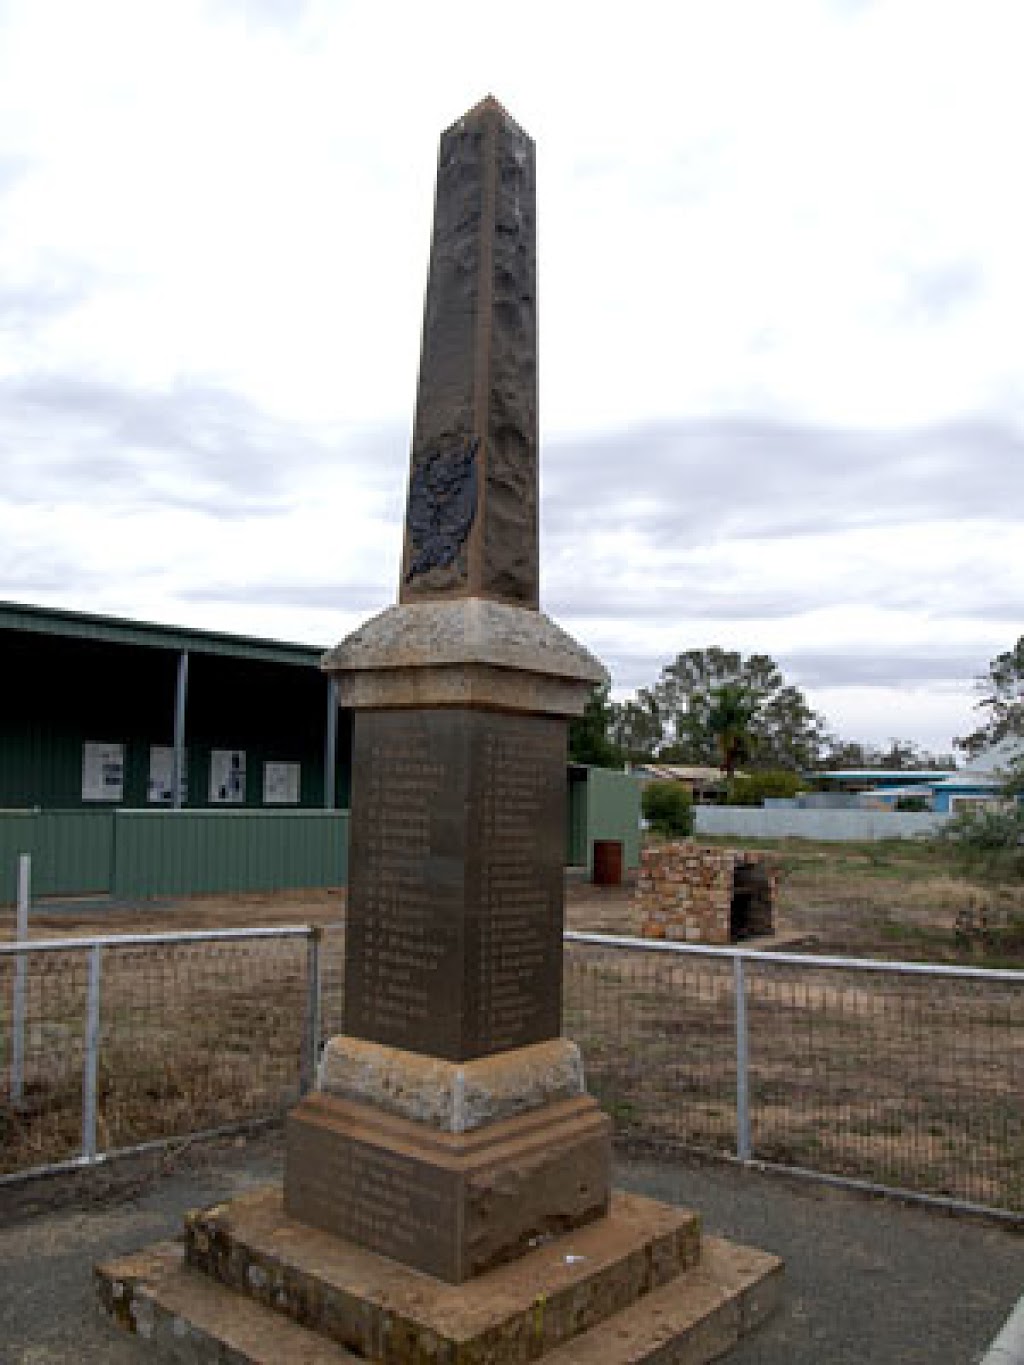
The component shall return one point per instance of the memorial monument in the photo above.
(446, 1195)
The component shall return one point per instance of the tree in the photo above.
(667, 807)
(637, 729)
(787, 733)
(729, 716)
(784, 730)
(590, 740)
(1002, 702)
(899, 754)
(751, 789)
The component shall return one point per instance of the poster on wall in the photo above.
(281, 784)
(161, 775)
(227, 776)
(102, 771)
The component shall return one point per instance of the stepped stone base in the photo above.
(449, 1204)
(637, 1286)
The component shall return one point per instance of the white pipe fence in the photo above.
(905, 1077)
(20, 970)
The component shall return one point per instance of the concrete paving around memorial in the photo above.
(866, 1280)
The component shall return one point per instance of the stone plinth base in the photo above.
(449, 1204)
(636, 1286)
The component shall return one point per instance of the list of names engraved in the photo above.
(388, 1204)
(519, 907)
(399, 936)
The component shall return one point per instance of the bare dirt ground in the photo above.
(898, 899)
(96, 915)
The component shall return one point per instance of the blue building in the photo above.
(979, 781)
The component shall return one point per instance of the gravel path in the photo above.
(867, 1280)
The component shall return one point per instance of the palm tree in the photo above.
(732, 709)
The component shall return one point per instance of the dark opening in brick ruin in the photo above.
(706, 895)
(752, 909)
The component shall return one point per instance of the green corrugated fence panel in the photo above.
(187, 853)
(576, 824)
(613, 812)
(72, 852)
(17, 836)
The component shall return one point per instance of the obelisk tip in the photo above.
(488, 106)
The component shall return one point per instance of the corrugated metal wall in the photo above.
(60, 693)
(135, 854)
(72, 852)
(576, 823)
(756, 822)
(188, 853)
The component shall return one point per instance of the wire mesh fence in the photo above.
(658, 1041)
(899, 1075)
(896, 1074)
(913, 1081)
(119, 1041)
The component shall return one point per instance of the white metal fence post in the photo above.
(311, 1041)
(20, 983)
(742, 1062)
(90, 1065)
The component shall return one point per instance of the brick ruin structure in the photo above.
(706, 895)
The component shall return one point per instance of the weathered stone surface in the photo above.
(692, 1319)
(453, 1097)
(477, 387)
(192, 1320)
(452, 1205)
(478, 688)
(379, 1307)
(706, 895)
(455, 904)
(463, 633)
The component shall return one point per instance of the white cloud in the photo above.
(781, 284)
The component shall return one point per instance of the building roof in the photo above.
(995, 761)
(884, 774)
(679, 772)
(55, 621)
(986, 770)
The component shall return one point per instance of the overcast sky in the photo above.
(781, 302)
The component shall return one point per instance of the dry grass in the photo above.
(900, 1081)
(888, 1079)
(191, 1037)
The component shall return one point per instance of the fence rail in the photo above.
(126, 1039)
(902, 1075)
(897, 1075)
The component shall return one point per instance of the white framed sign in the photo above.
(281, 783)
(102, 771)
(161, 775)
(227, 776)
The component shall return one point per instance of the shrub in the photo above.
(989, 841)
(668, 807)
(752, 788)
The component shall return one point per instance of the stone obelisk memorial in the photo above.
(446, 1195)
